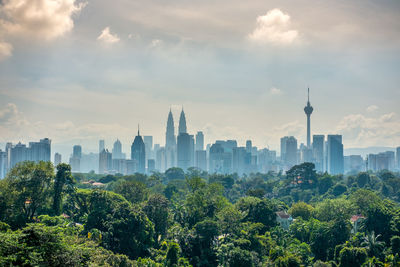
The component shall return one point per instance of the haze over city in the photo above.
(241, 70)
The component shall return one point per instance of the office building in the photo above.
(117, 150)
(105, 162)
(318, 152)
(57, 159)
(201, 160)
(101, 145)
(335, 154)
(289, 151)
(3, 164)
(170, 145)
(138, 154)
(199, 141)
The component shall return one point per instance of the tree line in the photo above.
(52, 217)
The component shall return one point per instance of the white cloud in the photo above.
(5, 50)
(274, 28)
(107, 37)
(275, 91)
(45, 19)
(372, 108)
(156, 43)
(361, 131)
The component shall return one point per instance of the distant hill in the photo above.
(367, 150)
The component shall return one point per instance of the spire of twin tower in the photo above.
(308, 110)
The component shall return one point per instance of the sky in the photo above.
(80, 71)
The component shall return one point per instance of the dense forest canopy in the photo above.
(52, 217)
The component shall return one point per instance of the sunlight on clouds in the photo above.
(273, 28)
(372, 108)
(107, 37)
(46, 19)
(275, 91)
(5, 50)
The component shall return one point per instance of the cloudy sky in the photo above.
(77, 71)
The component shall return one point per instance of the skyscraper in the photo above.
(289, 151)
(182, 123)
(117, 150)
(75, 160)
(101, 145)
(40, 151)
(3, 164)
(57, 159)
(170, 144)
(199, 141)
(249, 146)
(138, 153)
(318, 152)
(335, 154)
(398, 157)
(148, 144)
(105, 161)
(308, 110)
(184, 150)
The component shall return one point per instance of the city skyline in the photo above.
(241, 74)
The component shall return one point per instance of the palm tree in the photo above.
(373, 245)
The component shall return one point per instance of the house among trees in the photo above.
(356, 222)
(284, 219)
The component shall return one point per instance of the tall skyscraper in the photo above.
(182, 123)
(170, 144)
(3, 164)
(249, 146)
(117, 150)
(138, 153)
(40, 151)
(308, 110)
(148, 144)
(75, 160)
(335, 154)
(289, 151)
(318, 152)
(105, 161)
(57, 159)
(199, 141)
(398, 157)
(201, 160)
(184, 150)
(101, 145)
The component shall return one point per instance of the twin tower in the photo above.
(177, 149)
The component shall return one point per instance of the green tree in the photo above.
(174, 174)
(258, 211)
(156, 209)
(26, 191)
(133, 191)
(172, 255)
(373, 245)
(350, 257)
(63, 178)
(303, 174)
(301, 209)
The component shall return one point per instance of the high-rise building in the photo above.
(151, 166)
(57, 159)
(199, 141)
(117, 150)
(335, 154)
(75, 160)
(138, 153)
(201, 160)
(182, 123)
(289, 151)
(318, 152)
(170, 145)
(148, 145)
(3, 164)
(37, 151)
(249, 146)
(101, 145)
(105, 161)
(240, 160)
(184, 150)
(353, 164)
(40, 151)
(160, 159)
(308, 110)
(381, 161)
(398, 157)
